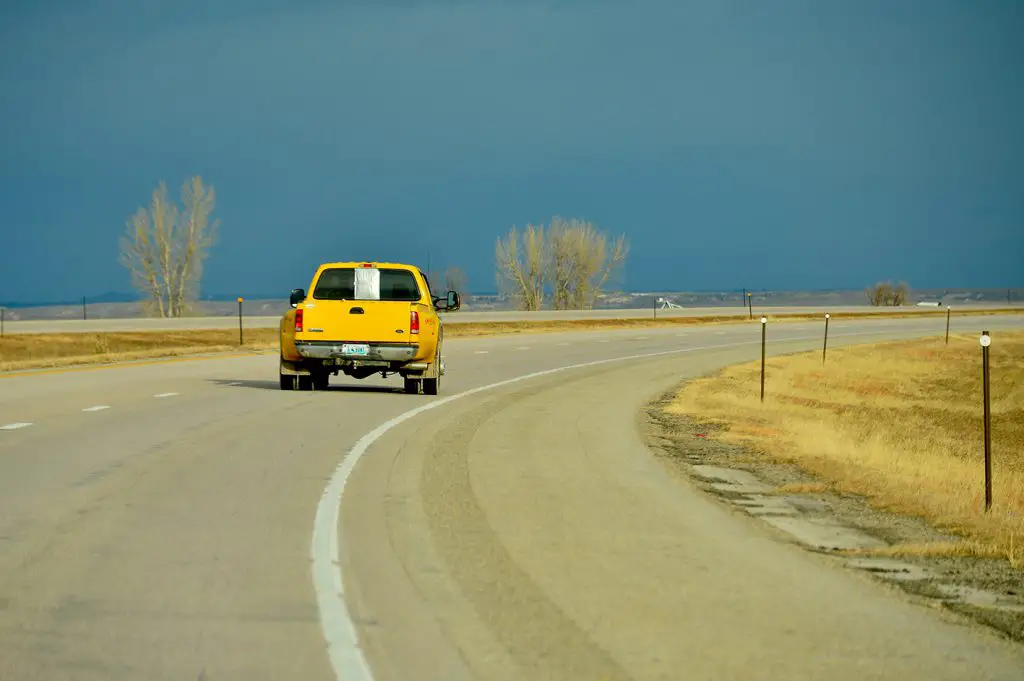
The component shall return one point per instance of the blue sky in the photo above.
(737, 143)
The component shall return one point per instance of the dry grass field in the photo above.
(900, 423)
(51, 350)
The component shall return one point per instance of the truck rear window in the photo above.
(367, 283)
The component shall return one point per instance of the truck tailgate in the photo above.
(362, 321)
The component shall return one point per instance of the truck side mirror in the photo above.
(454, 302)
(298, 295)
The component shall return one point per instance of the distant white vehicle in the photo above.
(929, 303)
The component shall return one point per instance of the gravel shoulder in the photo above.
(902, 551)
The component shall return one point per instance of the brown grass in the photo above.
(36, 351)
(47, 350)
(900, 423)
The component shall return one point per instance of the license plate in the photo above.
(355, 349)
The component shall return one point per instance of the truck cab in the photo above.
(365, 318)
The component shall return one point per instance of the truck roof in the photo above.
(369, 263)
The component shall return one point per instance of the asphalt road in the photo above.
(187, 520)
(460, 317)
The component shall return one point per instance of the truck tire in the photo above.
(412, 386)
(305, 382)
(431, 386)
(321, 380)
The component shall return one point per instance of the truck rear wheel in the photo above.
(305, 382)
(412, 386)
(321, 380)
(287, 380)
(431, 386)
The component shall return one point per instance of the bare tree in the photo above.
(520, 261)
(879, 293)
(571, 258)
(455, 280)
(885, 294)
(165, 247)
(900, 293)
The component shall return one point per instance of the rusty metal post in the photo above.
(824, 347)
(764, 327)
(986, 341)
(949, 312)
(241, 340)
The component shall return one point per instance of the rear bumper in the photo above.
(380, 352)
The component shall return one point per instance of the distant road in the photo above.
(229, 322)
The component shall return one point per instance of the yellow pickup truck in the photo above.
(361, 319)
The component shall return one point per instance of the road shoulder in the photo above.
(987, 592)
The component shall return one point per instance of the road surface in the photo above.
(460, 317)
(182, 520)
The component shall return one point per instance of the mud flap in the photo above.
(293, 369)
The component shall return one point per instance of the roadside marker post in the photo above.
(750, 306)
(764, 326)
(824, 348)
(949, 311)
(240, 337)
(84, 313)
(3, 313)
(986, 341)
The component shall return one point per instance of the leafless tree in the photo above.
(571, 258)
(885, 294)
(165, 246)
(582, 261)
(520, 260)
(455, 280)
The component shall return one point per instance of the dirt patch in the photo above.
(910, 554)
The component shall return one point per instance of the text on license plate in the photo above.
(360, 350)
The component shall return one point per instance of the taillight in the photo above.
(298, 320)
(414, 322)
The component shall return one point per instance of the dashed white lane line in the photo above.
(603, 340)
(643, 338)
(165, 395)
(564, 344)
(98, 407)
(481, 352)
(15, 426)
(235, 383)
(523, 347)
(719, 333)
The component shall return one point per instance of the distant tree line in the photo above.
(165, 246)
(569, 262)
(885, 294)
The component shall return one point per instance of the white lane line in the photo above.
(15, 426)
(564, 344)
(98, 407)
(339, 630)
(523, 347)
(642, 337)
(481, 352)
(165, 395)
(719, 333)
(235, 383)
(603, 340)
